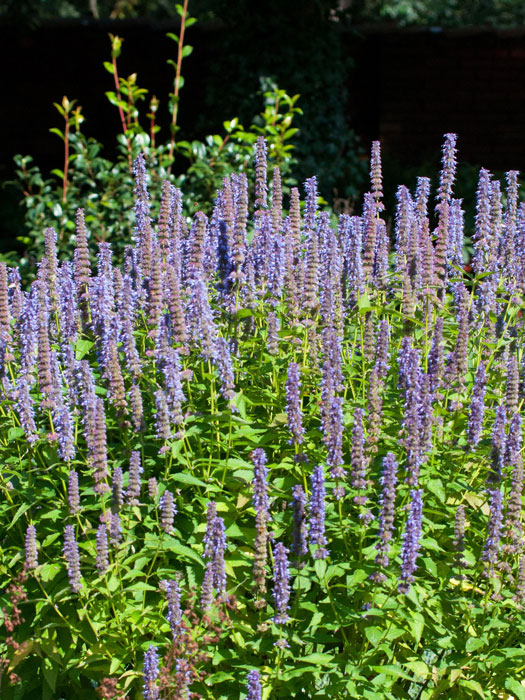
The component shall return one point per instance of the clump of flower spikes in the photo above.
(183, 283)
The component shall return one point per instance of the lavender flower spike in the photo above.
(134, 485)
(262, 515)
(102, 561)
(386, 517)
(214, 548)
(31, 548)
(73, 496)
(299, 547)
(411, 538)
(293, 404)
(492, 544)
(151, 674)
(72, 558)
(168, 511)
(174, 614)
(281, 589)
(253, 685)
(317, 513)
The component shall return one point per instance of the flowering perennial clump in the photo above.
(268, 455)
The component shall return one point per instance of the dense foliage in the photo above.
(445, 12)
(103, 187)
(265, 456)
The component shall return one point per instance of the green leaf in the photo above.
(173, 546)
(20, 511)
(82, 347)
(321, 659)
(50, 671)
(435, 486)
(516, 688)
(184, 478)
(141, 586)
(419, 668)
(14, 433)
(364, 304)
(57, 132)
(391, 670)
(374, 635)
(48, 571)
(320, 567)
(473, 685)
(114, 666)
(416, 626)
(475, 643)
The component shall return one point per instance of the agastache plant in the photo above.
(262, 451)
(262, 516)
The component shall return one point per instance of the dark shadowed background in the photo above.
(404, 73)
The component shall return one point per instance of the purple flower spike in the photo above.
(134, 485)
(24, 405)
(498, 446)
(334, 457)
(72, 558)
(299, 546)
(411, 537)
(317, 513)
(73, 496)
(31, 548)
(151, 674)
(226, 374)
(115, 530)
(253, 685)
(261, 187)
(492, 544)
(293, 404)
(153, 488)
(117, 495)
(99, 455)
(214, 548)
(448, 170)
(386, 516)
(174, 614)
(459, 538)
(168, 512)
(102, 561)
(281, 580)
(376, 177)
(262, 516)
